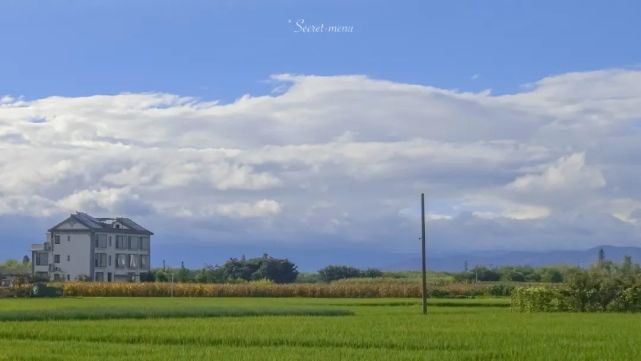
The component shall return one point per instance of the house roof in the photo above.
(105, 224)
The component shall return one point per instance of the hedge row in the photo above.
(567, 299)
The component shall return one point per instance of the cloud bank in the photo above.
(341, 159)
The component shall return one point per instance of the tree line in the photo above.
(284, 271)
(279, 270)
(550, 274)
(268, 268)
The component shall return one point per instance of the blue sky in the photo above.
(220, 127)
(224, 49)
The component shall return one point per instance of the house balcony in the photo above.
(54, 268)
(41, 268)
(41, 247)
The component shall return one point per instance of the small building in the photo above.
(93, 249)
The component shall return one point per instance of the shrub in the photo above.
(308, 278)
(628, 300)
(499, 289)
(5, 292)
(333, 273)
(147, 277)
(372, 273)
(539, 299)
(603, 287)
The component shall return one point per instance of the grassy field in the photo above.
(286, 329)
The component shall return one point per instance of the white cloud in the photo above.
(362, 148)
(567, 174)
(258, 209)
(262, 208)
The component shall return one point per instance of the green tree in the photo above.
(265, 267)
(372, 273)
(161, 275)
(210, 274)
(552, 275)
(333, 273)
(627, 267)
(486, 274)
(276, 270)
(183, 273)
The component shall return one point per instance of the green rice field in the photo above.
(305, 329)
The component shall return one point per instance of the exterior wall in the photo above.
(75, 254)
(112, 251)
(39, 270)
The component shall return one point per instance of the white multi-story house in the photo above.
(99, 249)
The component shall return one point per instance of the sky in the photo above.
(243, 127)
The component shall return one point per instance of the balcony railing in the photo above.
(41, 247)
(54, 268)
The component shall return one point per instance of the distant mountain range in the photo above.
(455, 263)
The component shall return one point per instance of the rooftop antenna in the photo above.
(423, 268)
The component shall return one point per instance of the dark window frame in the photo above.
(100, 260)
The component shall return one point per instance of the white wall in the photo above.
(75, 254)
(112, 251)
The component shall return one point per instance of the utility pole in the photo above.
(172, 284)
(423, 253)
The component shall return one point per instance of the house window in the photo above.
(109, 241)
(56, 277)
(56, 239)
(100, 276)
(144, 243)
(121, 242)
(42, 258)
(68, 258)
(133, 261)
(129, 246)
(134, 243)
(68, 238)
(100, 260)
(56, 258)
(144, 262)
(101, 241)
(121, 260)
(68, 278)
(109, 260)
